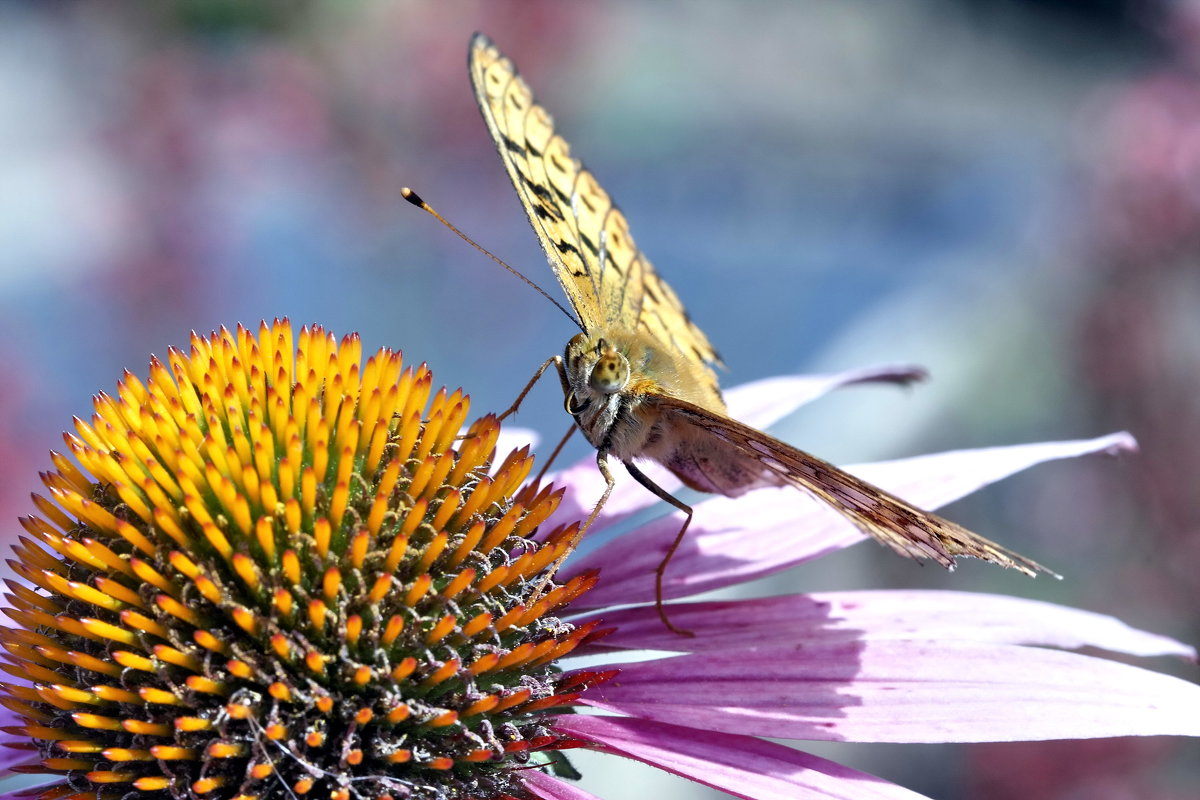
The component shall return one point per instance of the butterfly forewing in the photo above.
(586, 237)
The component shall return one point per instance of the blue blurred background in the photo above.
(1005, 192)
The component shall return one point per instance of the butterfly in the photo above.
(639, 379)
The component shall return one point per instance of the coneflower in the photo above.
(282, 571)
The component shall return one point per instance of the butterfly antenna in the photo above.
(415, 199)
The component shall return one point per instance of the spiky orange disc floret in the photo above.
(281, 571)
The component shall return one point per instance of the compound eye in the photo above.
(610, 374)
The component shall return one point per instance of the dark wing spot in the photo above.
(566, 247)
(589, 244)
(512, 146)
(538, 190)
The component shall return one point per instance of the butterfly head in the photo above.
(610, 373)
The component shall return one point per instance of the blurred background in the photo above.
(1005, 192)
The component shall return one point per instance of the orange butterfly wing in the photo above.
(608, 280)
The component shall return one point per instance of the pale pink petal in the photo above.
(15, 749)
(934, 480)
(548, 787)
(759, 403)
(732, 540)
(904, 691)
(841, 616)
(19, 756)
(764, 402)
(740, 765)
(513, 437)
(26, 793)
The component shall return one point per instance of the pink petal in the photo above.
(764, 402)
(904, 691)
(740, 765)
(841, 616)
(759, 403)
(931, 481)
(26, 793)
(513, 437)
(732, 540)
(550, 788)
(11, 756)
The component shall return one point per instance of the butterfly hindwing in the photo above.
(766, 461)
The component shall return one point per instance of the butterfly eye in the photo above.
(610, 374)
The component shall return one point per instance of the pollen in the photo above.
(275, 569)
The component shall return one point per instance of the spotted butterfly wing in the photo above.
(608, 280)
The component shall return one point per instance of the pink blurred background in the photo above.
(1005, 192)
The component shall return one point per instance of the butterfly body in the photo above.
(639, 380)
(615, 380)
(628, 395)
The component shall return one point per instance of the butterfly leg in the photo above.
(553, 455)
(562, 375)
(577, 537)
(663, 494)
(556, 361)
